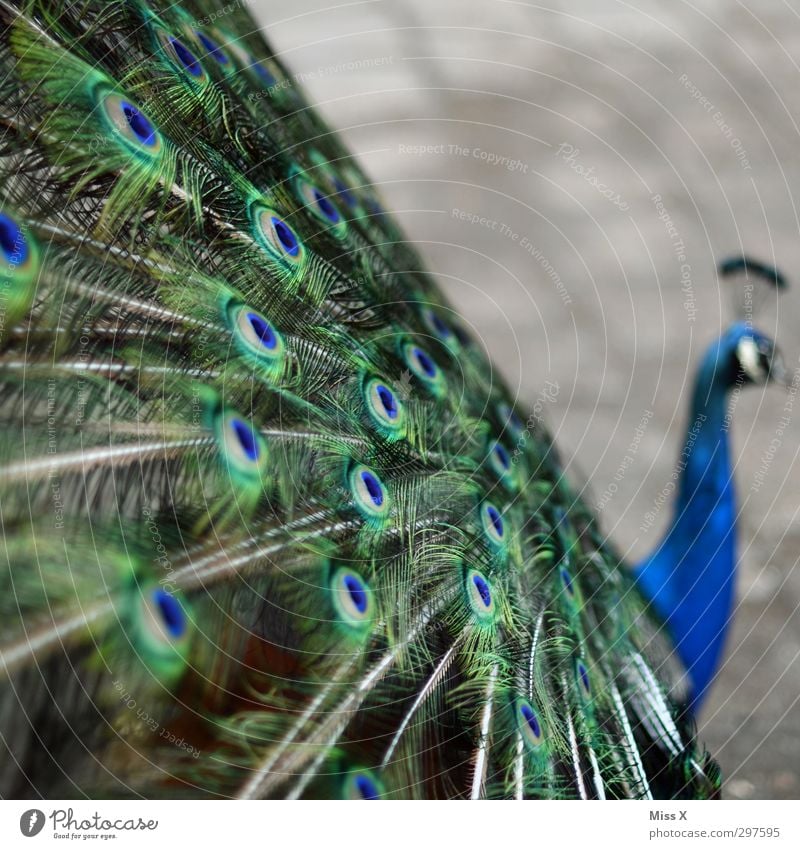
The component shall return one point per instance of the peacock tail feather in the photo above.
(272, 527)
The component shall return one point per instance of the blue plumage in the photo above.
(690, 577)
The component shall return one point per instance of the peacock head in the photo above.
(756, 359)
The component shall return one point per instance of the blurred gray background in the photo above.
(559, 124)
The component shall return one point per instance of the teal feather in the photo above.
(256, 479)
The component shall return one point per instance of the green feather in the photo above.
(272, 524)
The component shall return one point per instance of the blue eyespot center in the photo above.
(247, 439)
(583, 675)
(286, 237)
(140, 126)
(439, 325)
(212, 48)
(264, 75)
(366, 787)
(185, 56)
(388, 401)
(172, 615)
(531, 720)
(502, 456)
(427, 365)
(263, 330)
(13, 243)
(345, 194)
(357, 593)
(566, 579)
(373, 487)
(483, 589)
(326, 207)
(496, 519)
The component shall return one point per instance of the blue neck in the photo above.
(689, 578)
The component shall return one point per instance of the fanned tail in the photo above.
(272, 527)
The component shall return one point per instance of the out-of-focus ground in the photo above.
(558, 124)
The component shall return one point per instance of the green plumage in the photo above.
(271, 525)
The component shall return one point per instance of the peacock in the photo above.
(273, 527)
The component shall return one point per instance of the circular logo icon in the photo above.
(31, 822)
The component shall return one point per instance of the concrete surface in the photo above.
(559, 123)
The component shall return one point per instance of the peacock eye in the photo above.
(168, 614)
(277, 236)
(480, 595)
(529, 724)
(362, 785)
(422, 364)
(180, 55)
(255, 333)
(510, 419)
(369, 492)
(131, 124)
(212, 48)
(493, 524)
(384, 405)
(501, 457)
(319, 204)
(13, 243)
(242, 445)
(260, 70)
(583, 681)
(164, 624)
(159, 631)
(352, 597)
(500, 463)
(345, 193)
(437, 325)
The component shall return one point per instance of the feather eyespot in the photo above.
(500, 463)
(567, 582)
(245, 438)
(438, 326)
(369, 492)
(180, 55)
(510, 419)
(385, 406)
(493, 524)
(160, 631)
(529, 724)
(320, 205)
(212, 48)
(361, 784)
(19, 269)
(255, 333)
(13, 242)
(131, 124)
(352, 597)
(170, 613)
(345, 193)
(243, 446)
(480, 595)
(277, 236)
(262, 72)
(423, 366)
